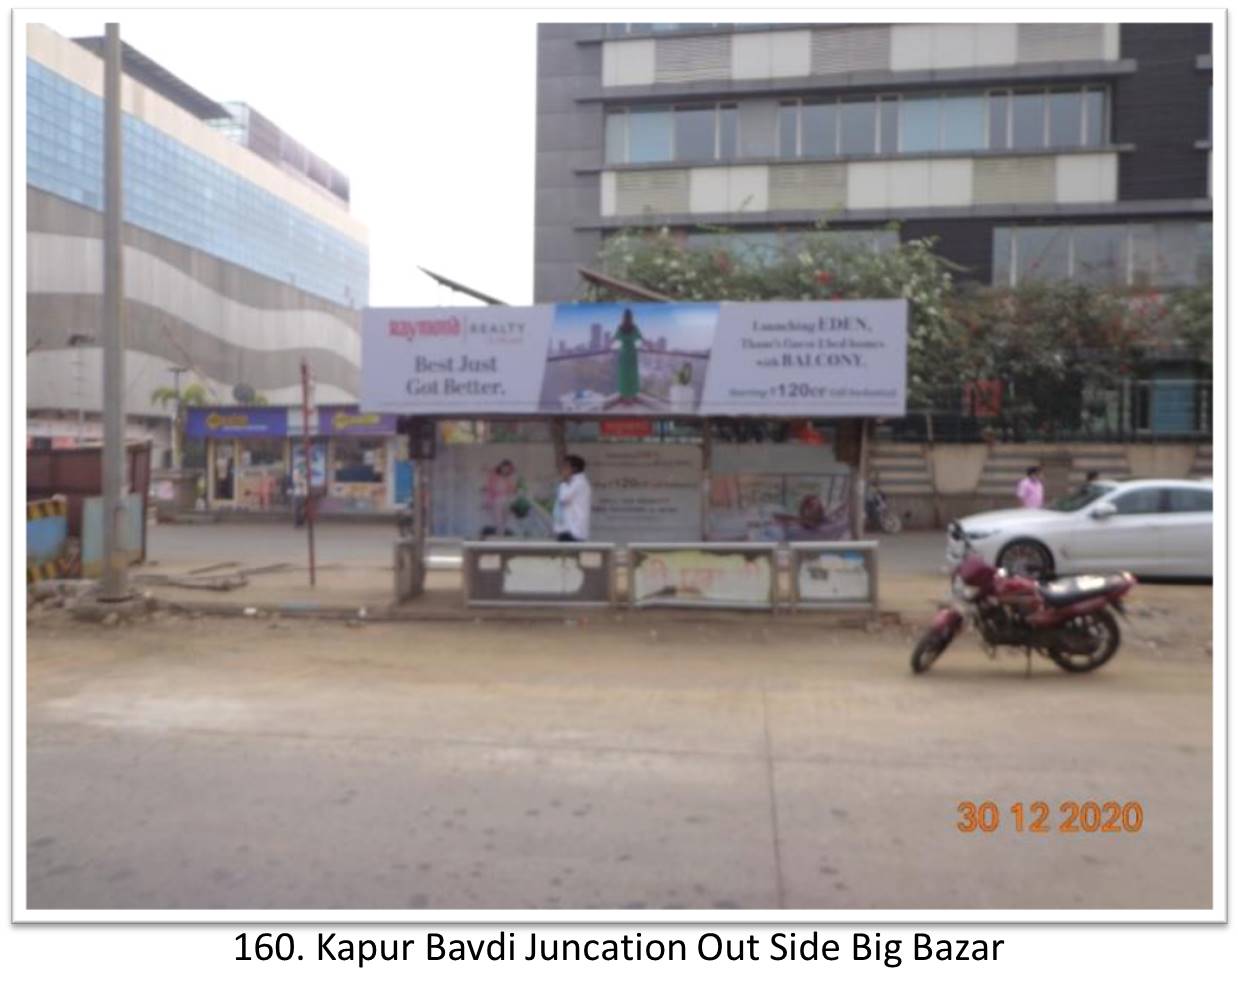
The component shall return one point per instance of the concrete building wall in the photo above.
(569, 139)
(1150, 163)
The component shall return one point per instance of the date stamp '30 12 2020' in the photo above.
(1038, 817)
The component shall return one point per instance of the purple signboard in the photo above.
(235, 422)
(349, 420)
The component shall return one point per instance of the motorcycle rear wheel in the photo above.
(927, 650)
(1107, 638)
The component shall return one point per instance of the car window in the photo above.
(1190, 500)
(1141, 501)
(1081, 496)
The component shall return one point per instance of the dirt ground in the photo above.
(593, 763)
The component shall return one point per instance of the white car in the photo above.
(1151, 528)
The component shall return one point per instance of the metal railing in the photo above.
(1146, 410)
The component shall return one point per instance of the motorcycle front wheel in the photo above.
(928, 650)
(1086, 642)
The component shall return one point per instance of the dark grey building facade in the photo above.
(1068, 151)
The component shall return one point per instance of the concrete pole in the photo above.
(115, 584)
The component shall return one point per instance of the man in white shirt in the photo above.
(572, 502)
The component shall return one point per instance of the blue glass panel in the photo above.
(180, 194)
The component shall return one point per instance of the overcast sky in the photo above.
(430, 114)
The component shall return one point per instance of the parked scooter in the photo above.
(880, 516)
(1068, 621)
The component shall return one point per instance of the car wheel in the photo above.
(1028, 558)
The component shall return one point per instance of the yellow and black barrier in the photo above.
(46, 540)
(47, 508)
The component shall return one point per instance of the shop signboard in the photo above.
(639, 360)
(236, 422)
(349, 420)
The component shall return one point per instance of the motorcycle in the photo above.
(1068, 621)
(881, 517)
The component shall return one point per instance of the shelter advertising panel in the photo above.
(453, 360)
(718, 575)
(638, 360)
(498, 573)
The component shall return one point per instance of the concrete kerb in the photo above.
(559, 616)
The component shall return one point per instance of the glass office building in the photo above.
(177, 192)
(242, 257)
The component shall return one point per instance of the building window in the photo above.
(696, 132)
(895, 124)
(688, 133)
(1027, 121)
(919, 124)
(650, 135)
(1159, 255)
(962, 123)
(819, 129)
(884, 125)
(857, 131)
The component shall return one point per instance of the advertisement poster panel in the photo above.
(453, 360)
(644, 492)
(741, 578)
(635, 359)
(500, 490)
(779, 507)
(507, 490)
(824, 358)
(628, 359)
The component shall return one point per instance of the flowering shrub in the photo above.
(1044, 342)
(817, 265)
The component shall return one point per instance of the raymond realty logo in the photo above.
(433, 328)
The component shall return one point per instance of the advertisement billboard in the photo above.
(638, 360)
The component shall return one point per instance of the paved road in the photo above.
(370, 543)
(221, 764)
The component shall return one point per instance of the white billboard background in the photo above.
(453, 360)
(808, 358)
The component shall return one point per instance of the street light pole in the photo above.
(115, 582)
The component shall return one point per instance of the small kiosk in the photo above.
(715, 435)
(255, 457)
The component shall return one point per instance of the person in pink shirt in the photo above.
(1031, 490)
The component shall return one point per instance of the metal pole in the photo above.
(860, 484)
(115, 582)
(309, 467)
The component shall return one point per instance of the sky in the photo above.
(429, 114)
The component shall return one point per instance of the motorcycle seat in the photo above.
(1070, 590)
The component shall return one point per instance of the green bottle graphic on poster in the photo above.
(629, 362)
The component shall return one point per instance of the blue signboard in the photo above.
(235, 422)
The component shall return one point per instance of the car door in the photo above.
(1132, 539)
(1188, 531)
